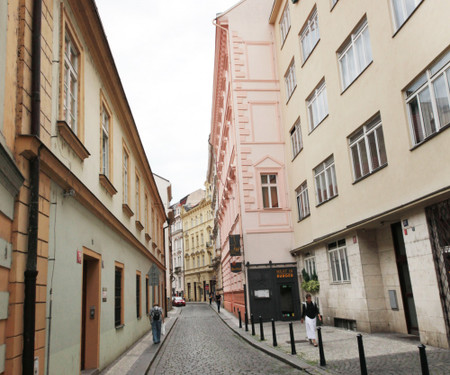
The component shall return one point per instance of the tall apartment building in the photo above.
(366, 107)
(197, 220)
(81, 218)
(176, 238)
(258, 272)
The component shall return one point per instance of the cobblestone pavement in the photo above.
(200, 343)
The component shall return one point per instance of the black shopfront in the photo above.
(273, 291)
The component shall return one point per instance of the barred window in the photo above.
(337, 252)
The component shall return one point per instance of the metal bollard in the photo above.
(362, 357)
(240, 321)
(261, 329)
(423, 360)
(246, 321)
(321, 352)
(253, 324)
(274, 334)
(291, 331)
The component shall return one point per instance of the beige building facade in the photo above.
(80, 213)
(198, 249)
(366, 107)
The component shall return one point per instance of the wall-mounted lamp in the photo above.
(69, 193)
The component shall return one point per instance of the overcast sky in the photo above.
(164, 52)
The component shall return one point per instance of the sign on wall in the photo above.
(235, 244)
(236, 267)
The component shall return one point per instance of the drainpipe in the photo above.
(29, 309)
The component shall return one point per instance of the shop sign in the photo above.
(236, 267)
(285, 273)
(235, 244)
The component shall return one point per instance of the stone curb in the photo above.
(290, 360)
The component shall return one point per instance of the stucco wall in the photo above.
(71, 228)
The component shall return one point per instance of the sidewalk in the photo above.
(137, 359)
(384, 352)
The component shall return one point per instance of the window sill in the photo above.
(290, 96)
(340, 282)
(307, 57)
(320, 122)
(303, 218)
(127, 210)
(120, 327)
(356, 78)
(72, 140)
(406, 20)
(369, 174)
(139, 225)
(295, 156)
(104, 181)
(154, 245)
(147, 237)
(330, 199)
(435, 134)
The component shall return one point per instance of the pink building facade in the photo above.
(249, 149)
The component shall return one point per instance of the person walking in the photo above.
(218, 298)
(309, 313)
(156, 317)
(210, 298)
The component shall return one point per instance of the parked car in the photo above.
(178, 301)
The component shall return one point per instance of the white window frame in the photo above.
(125, 176)
(290, 80)
(105, 141)
(339, 268)
(317, 104)
(302, 201)
(310, 35)
(269, 186)
(310, 265)
(361, 150)
(138, 198)
(325, 180)
(400, 12)
(71, 79)
(426, 83)
(296, 139)
(350, 53)
(285, 24)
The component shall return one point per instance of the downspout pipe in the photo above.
(29, 309)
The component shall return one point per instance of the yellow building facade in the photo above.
(198, 248)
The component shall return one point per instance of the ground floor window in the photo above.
(337, 252)
(118, 295)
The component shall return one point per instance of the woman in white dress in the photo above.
(309, 313)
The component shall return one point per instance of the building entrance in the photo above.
(405, 280)
(90, 319)
(273, 291)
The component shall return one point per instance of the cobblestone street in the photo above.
(200, 343)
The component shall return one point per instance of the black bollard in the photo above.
(321, 352)
(261, 329)
(291, 331)
(253, 324)
(362, 357)
(423, 360)
(240, 321)
(274, 334)
(246, 321)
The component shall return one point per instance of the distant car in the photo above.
(178, 301)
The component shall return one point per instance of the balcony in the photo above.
(177, 270)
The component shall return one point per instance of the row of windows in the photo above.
(196, 260)
(309, 35)
(368, 154)
(119, 297)
(196, 243)
(72, 75)
(337, 256)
